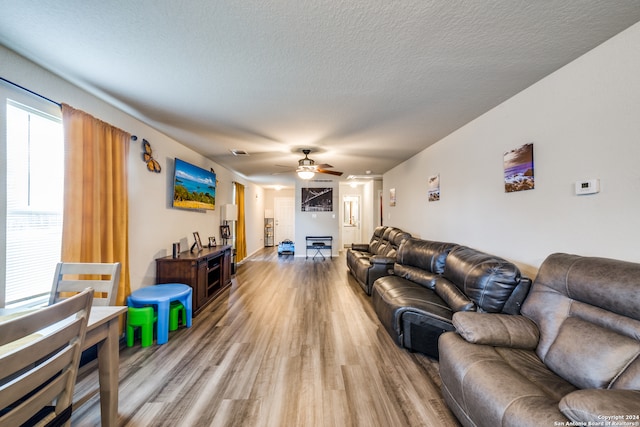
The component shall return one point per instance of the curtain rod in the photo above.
(31, 92)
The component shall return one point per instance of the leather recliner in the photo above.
(368, 262)
(433, 280)
(571, 358)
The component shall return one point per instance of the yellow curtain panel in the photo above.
(241, 237)
(95, 220)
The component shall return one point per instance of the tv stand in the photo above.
(207, 271)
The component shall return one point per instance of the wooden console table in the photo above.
(318, 243)
(208, 272)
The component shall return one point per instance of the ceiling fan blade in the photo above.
(324, 166)
(336, 173)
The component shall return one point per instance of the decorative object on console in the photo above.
(176, 249)
(212, 241)
(317, 199)
(152, 164)
(197, 243)
(193, 187)
(229, 215)
(225, 233)
(518, 169)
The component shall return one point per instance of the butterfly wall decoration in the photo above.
(152, 164)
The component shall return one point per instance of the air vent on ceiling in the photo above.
(237, 152)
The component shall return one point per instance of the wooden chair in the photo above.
(39, 355)
(71, 277)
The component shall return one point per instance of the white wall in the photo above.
(153, 224)
(316, 223)
(584, 121)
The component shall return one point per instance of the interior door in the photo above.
(284, 218)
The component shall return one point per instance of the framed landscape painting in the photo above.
(434, 188)
(518, 169)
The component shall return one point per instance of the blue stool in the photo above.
(162, 296)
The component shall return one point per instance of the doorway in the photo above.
(350, 220)
(284, 218)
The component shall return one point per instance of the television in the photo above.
(193, 187)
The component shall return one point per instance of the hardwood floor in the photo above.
(295, 342)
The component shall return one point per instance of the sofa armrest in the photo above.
(499, 330)
(453, 296)
(602, 405)
(514, 303)
(379, 259)
(362, 247)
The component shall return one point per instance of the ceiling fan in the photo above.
(307, 167)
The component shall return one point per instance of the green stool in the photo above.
(144, 318)
(174, 312)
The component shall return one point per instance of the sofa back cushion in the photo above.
(421, 261)
(485, 279)
(588, 313)
(376, 239)
(394, 239)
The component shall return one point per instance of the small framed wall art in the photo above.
(518, 169)
(433, 188)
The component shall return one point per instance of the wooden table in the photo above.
(103, 330)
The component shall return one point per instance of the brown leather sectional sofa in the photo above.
(563, 351)
(571, 358)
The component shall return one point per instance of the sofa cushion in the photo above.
(569, 315)
(486, 279)
(497, 329)
(453, 296)
(600, 406)
(376, 239)
(426, 255)
(594, 367)
(494, 386)
(393, 296)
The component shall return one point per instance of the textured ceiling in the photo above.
(365, 84)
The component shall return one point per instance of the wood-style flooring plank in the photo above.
(294, 342)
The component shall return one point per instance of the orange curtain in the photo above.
(241, 237)
(95, 220)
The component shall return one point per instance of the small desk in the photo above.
(102, 329)
(162, 295)
(318, 243)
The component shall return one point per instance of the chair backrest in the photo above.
(592, 304)
(71, 278)
(39, 355)
(486, 279)
(421, 261)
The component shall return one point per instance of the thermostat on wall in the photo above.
(590, 186)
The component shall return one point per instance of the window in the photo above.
(34, 180)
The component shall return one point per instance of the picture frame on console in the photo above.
(225, 232)
(197, 244)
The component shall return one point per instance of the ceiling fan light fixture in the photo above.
(305, 173)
